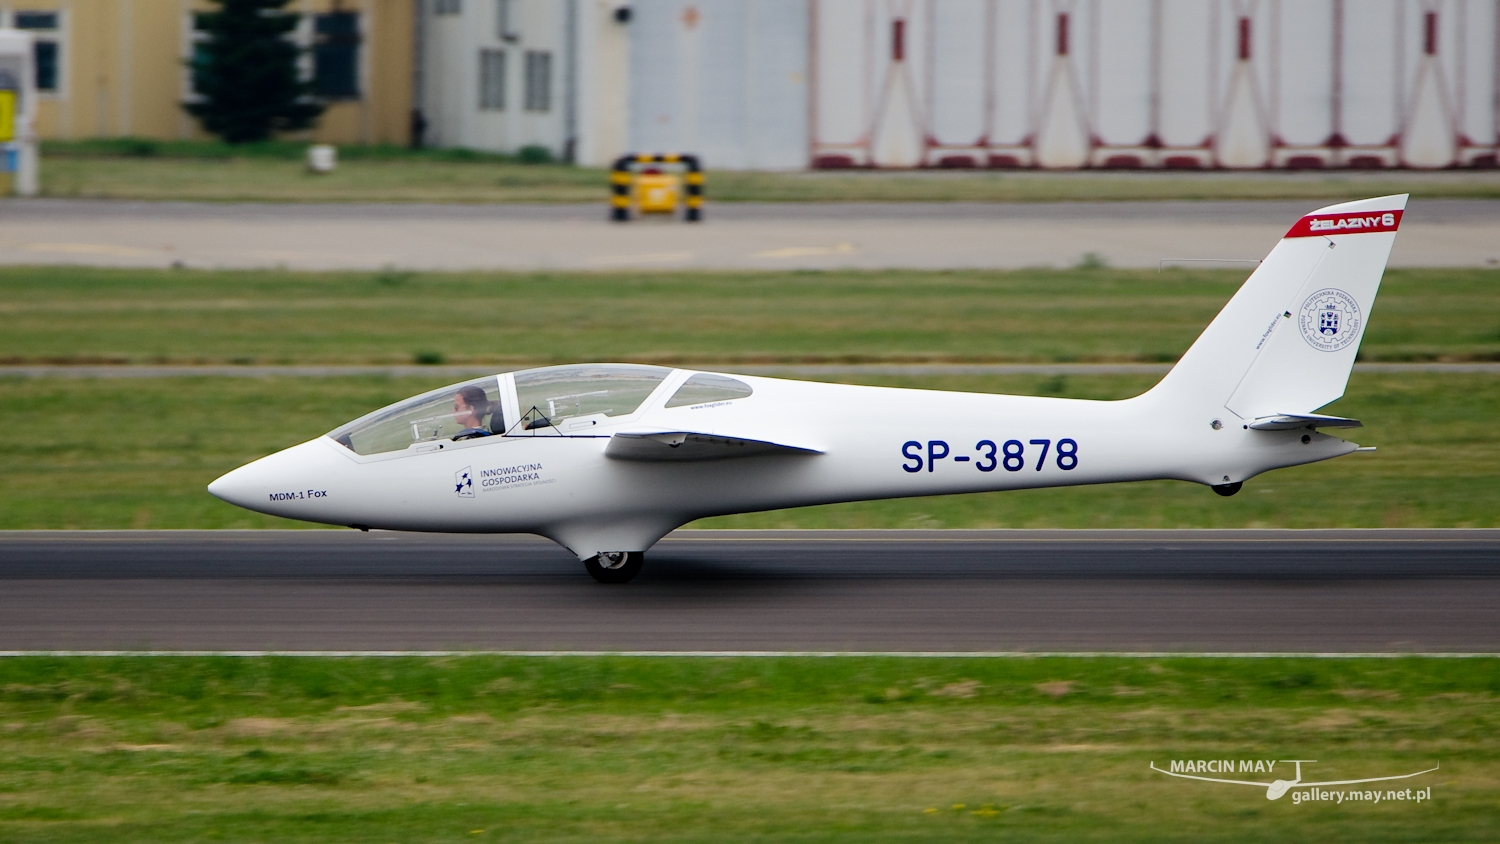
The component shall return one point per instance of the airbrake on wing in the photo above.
(692, 445)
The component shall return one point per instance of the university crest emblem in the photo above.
(1330, 320)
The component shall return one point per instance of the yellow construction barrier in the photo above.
(652, 190)
(7, 116)
(9, 155)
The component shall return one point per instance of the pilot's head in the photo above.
(470, 406)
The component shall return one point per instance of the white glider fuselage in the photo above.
(855, 443)
(608, 458)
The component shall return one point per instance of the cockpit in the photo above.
(553, 400)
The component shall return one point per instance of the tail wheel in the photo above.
(615, 566)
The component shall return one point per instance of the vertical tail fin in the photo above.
(1286, 342)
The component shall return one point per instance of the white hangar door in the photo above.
(445, 31)
(1155, 83)
(977, 83)
(725, 79)
(872, 80)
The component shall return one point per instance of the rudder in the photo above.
(1286, 342)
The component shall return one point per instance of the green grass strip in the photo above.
(81, 315)
(127, 168)
(872, 749)
(137, 453)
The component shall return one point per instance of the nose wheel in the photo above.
(615, 566)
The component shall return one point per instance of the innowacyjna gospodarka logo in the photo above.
(1192, 769)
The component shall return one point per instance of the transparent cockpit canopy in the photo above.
(453, 411)
(706, 387)
(473, 408)
(564, 392)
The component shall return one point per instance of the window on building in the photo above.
(197, 56)
(538, 80)
(46, 49)
(502, 22)
(447, 7)
(336, 55)
(492, 80)
(36, 20)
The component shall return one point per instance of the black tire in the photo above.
(624, 574)
(1227, 490)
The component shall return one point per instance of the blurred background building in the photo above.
(838, 83)
(117, 68)
(1153, 83)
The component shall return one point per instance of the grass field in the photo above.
(78, 315)
(127, 453)
(122, 454)
(490, 748)
(275, 174)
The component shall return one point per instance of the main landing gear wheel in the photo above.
(615, 566)
(1227, 490)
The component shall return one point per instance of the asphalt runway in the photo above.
(735, 236)
(970, 591)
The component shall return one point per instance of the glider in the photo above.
(605, 459)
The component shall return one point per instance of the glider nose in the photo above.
(283, 483)
(234, 487)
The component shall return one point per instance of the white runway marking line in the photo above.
(1065, 540)
(644, 258)
(806, 251)
(773, 654)
(108, 249)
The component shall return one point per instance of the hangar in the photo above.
(1176, 84)
(1182, 84)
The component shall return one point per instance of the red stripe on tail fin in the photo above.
(1315, 225)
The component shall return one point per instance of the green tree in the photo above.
(246, 73)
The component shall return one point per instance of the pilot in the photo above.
(470, 406)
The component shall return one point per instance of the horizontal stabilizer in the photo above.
(1293, 421)
(690, 445)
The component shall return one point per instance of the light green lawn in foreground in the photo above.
(128, 453)
(432, 178)
(78, 315)
(787, 749)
